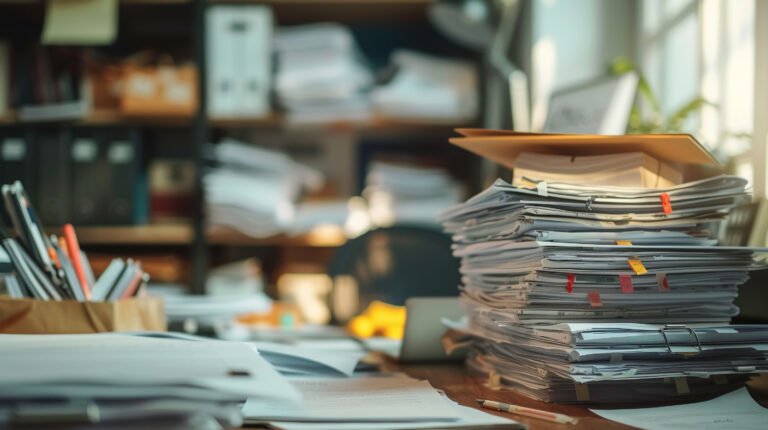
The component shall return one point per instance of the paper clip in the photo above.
(679, 328)
(588, 203)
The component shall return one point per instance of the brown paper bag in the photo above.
(30, 316)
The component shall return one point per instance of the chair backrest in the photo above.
(392, 264)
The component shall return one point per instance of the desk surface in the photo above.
(464, 389)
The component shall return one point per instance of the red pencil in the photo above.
(73, 249)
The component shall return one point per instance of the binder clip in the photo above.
(680, 328)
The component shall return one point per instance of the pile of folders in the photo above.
(606, 294)
(50, 268)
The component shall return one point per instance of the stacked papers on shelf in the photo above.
(254, 190)
(120, 381)
(428, 87)
(321, 75)
(538, 259)
(400, 193)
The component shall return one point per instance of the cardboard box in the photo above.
(159, 91)
(31, 316)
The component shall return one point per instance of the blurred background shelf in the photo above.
(151, 234)
(321, 238)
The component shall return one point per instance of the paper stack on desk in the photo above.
(120, 381)
(380, 402)
(538, 256)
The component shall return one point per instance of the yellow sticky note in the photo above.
(80, 22)
(637, 266)
(624, 242)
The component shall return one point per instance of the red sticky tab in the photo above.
(594, 299)
(661, 280)
(625, 281)
(569, 285)
(666, 204)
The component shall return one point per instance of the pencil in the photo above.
(528, 412)
(73, 249)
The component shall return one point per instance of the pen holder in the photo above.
(31, 316)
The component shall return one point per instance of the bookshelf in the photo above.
(186, 24)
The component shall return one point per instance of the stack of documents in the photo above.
(254, 190)
(400, 193)
(428, 87)
(321, 75)
(370, 402)
(120, 381)
(630, 169)
(535, 258)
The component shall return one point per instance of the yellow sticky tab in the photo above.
(624, 242)
(637, 266)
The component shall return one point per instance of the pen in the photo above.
(73, 249)
(528, 412)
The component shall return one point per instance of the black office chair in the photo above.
(392, 264)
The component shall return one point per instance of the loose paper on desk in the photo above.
(119, 359)
(363, 399)
(735, 410)
(383, 402)
(290, 359)
(86, 22)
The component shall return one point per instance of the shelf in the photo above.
(103, 118)
(182, 234)
(151, 234)
(323, 237)
(344, 11)
(122, 2)
(377, 123)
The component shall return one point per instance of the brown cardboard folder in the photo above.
(30, 316)
(502, 146)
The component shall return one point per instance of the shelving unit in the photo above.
(195, 235)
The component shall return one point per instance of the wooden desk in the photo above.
(464, 389)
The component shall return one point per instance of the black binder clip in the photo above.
(672, 328)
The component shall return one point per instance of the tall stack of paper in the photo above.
(400, 193)
(120, 381)
(321, 75)
(536, 260)
(254, 190)
(428, 87)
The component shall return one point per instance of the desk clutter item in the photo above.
(56, 275)
(125, 381)
(581, 293)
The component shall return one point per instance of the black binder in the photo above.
(53, 176)
(127, 199)
(17, 163)
(89, 178)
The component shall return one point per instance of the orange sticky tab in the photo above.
(625, 281)
(594, 299)
(637, 266)
(661, 280)
(569, 285)
(624, 242)
(666, 203)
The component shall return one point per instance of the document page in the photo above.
(361, 399)
(735, 410)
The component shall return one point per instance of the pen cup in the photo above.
(31, 316)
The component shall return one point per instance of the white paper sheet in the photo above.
(363, 399)
(735, 410)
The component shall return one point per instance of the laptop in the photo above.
(424, 329)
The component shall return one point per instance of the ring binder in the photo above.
(680, 327)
